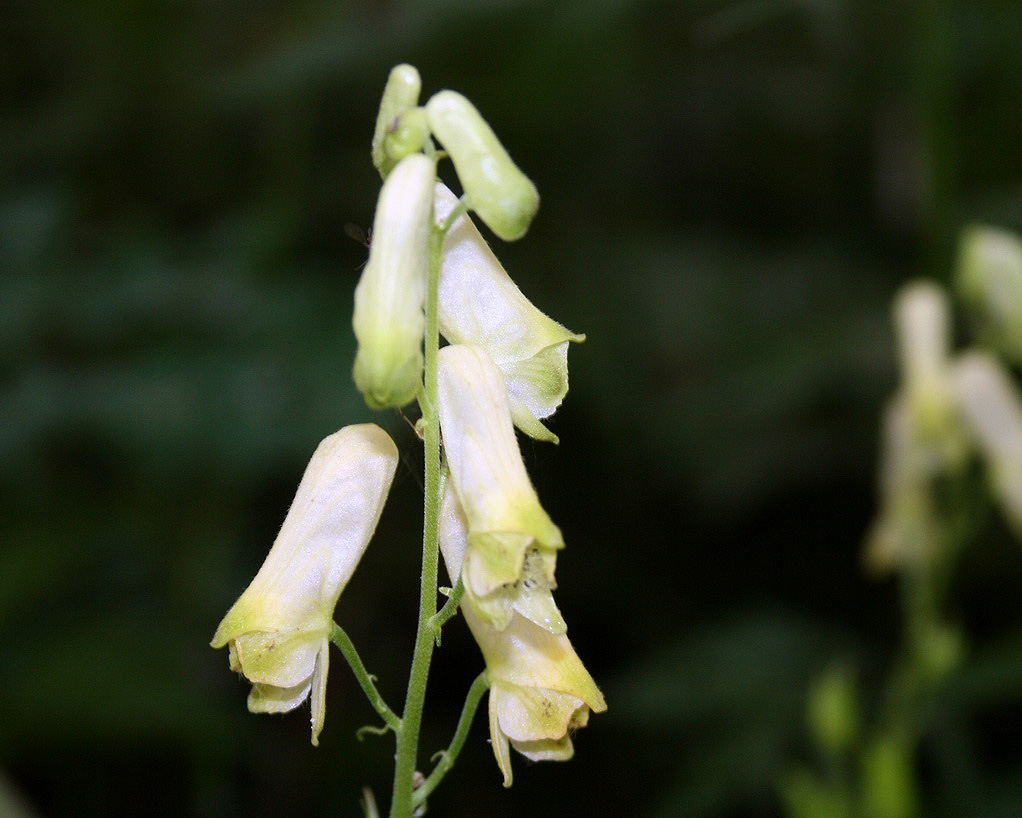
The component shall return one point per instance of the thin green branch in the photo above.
(365, 679)
(450, 608)
(448, 756)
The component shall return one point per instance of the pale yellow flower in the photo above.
(479, 304)
(278, 631)
(510, 536)
(539, 689)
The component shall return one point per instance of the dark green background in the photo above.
(732, 191)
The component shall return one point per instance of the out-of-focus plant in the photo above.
(954, 416)
(430, 272)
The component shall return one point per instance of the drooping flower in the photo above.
(278, 631)
(388, 319)
(479, 304)
(496, 189)
(511, 539)
(922, 435)
(992, 410)
(539, 689)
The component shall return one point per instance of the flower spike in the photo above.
(279, 629)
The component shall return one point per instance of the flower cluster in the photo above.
(505, 366)
(951, 407)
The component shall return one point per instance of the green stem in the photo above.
(448, 756)
(439, 619)
(402, 803)
(365, 679)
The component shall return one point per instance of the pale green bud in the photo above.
(279, 629)
(409, 134)
(539, 689)
(389, 321)
(990, 282)
(496, 189)
(400, 94)
(506, 523)
(992, 410)
(832, 707)
(479, 304)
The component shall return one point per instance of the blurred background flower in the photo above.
(732, 191)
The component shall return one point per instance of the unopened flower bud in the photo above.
(388, 320)
(990, 282)
(400, 94)
(497, 190)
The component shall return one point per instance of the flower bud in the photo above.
(508, 530)
(990, 282)
(400, 94)
(279, 629)
(479, 304)
(497, 190)
(389, 321)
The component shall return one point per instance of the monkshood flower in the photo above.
(539, 689)
(510, 536)
(279, 629)
(479, 304)
(922, 434)
(992, 411)
(989, 278)
(388, 319)
(496, 189)
(400, 96)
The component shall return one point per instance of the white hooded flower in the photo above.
(539, 689)
(479, 304)
(510, 536)
(992, 410)
(279, 629)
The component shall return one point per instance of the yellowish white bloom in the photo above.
(539, 689)
(496, 189)
(388, 320)
(992, 411)
(510, 536)
(479, 304)
(279, 629)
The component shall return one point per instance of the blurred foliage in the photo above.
(732, 190)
